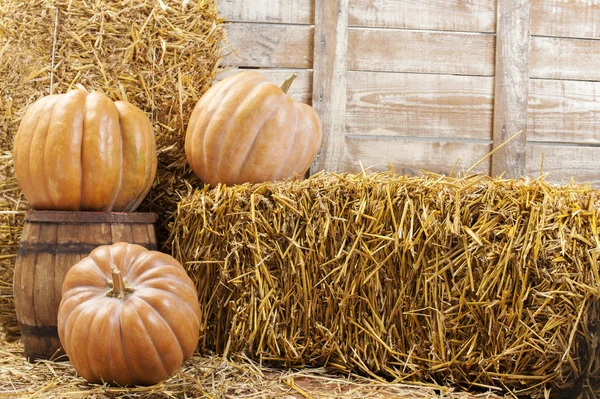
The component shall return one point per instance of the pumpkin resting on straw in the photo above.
(128, 315)
(246, 129)
(81, 151)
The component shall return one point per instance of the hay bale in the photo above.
(160, 56)
(474, 281)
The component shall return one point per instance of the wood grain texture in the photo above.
(452, 15)
(269, 45)
(562, 58)
(412, 156)
(397, 104)
(278, 11)
(572, 18)
(391, 50)
(563, 162)
(511, 87)
(564, 111)
(90, 217)
(301, 89)
(329, 80)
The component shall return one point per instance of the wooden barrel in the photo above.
(51, 243)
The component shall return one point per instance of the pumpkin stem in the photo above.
(118, 289)
(285, 86)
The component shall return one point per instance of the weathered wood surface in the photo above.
(566, 18)
(410, 156)
(448, 15)
(329, 80)
(47, 250)
(394, 50)
(301, 89)
(564, 111)
(511, 88)
(563, 58)
(273, 11)
(269, 45)
(420, 105)
(563, 162)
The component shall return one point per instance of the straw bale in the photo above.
(159, 55)
(206, 377)
(475, 282)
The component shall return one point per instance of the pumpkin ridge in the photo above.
(17, 146)
(81, 152)
(149, 337)
(253, 144)
(275, 175)
(177, 299)
(210, 129)
(248, 98)
(42, 160)
(89, 331)
(125, 351)
(118, 190)
(169, 327)
(306, 146)
(225, 86)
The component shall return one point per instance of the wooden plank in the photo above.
(563, 162)
(451, 15)
(562, 58)
(329, 79)
(280, 11)
(572, 18)
(90, 217)
(511, 87)
(268, 45)
(564, 111)
(393, 50)
(411, 156)
(381, 103)
(301, 89)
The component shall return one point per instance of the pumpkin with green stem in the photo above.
(246, 129)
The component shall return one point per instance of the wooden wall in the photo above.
(412, 82)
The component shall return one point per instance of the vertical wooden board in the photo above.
(563, 162)
(70, 253)
(25, 274)
(278, 11)
(410, 157)
(46, 307)
(420, 105)
(511, 87)
(564, 111)
(268, 45)
(121, 232)
(572, 18)
(563, 58)
(329, 79)
(301, 89)
(141, 236)
(450, 15)
(151, 233)
(391, 50)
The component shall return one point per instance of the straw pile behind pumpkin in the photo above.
(474, 281)
(160, 56)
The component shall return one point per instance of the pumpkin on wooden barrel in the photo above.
(81, 151)
(247, 129)
(128, 315)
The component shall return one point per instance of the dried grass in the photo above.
(473, 282)
(159, 55)
(206, 377)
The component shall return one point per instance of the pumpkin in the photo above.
(247, 129)
(128, 315)
(81, 151)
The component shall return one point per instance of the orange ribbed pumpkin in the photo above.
(128, 315)
(246, 129)
(81, 151)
